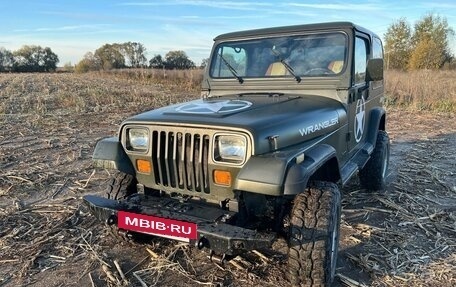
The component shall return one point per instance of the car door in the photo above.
(358, 100)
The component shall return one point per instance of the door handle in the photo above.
(361, 90)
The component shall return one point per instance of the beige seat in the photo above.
(276, 69)
(336, 66)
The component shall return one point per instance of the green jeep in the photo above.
(286, 116)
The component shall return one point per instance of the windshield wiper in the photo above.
(232, 70)
(285, 64)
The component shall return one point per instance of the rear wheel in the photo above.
(373, 175)
(314, 235)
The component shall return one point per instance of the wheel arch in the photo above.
(377, 121)
(110, 154)
(320, 163)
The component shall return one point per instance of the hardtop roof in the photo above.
(294, 28)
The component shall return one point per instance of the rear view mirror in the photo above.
(374, 70)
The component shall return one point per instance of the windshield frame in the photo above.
(250, 42)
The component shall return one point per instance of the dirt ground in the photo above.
(50, 125)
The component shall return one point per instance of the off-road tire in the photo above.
(314, 235)
(373, 175)
(120, 186)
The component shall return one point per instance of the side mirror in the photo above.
(374, 70)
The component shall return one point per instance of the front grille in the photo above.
(180, 159)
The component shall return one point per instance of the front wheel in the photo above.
(120, 186)
(314, 235)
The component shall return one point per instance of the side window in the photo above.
(236, 58)
(360, 60)
(377, 50)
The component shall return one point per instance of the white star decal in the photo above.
(214, 107)
(359, 119)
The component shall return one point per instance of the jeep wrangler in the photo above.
(286, 116)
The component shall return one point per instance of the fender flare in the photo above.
(263, 174)
(299, 174)
(377, 122)
(109, 154)
(280, 175)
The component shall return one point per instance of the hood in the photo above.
(290, 119)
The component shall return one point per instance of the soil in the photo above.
(50, 124)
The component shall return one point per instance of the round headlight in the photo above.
(138, 139)
(230, 148)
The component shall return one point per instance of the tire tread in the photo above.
(313, 214)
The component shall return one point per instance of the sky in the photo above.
(71, 28)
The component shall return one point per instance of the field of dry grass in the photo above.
(422, 90)
(417, 90)
(51, 122)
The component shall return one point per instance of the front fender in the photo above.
(278, 173)
(110, 154)
(262, 174)
(299, 174)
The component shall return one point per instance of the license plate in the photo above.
(163, 227)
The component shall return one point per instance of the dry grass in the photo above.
(123, 91)
(182, 80)
(416, 90)
(422, 90)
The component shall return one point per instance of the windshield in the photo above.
(291, 56)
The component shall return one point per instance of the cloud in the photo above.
(441, 5)
(337, 6)
(246, 5)
(85, 27)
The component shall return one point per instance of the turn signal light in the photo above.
(222, 177)
(143, 166)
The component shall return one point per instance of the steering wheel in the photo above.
(319, 71)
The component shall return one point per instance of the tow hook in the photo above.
(112, 219)
(220, 259)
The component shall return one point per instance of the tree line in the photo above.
(31, 58)
(131, 55)
(425, 46)
(28, 59)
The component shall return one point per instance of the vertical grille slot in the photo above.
(180, 160)
(155, 157)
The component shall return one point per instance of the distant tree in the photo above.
(34, 59)
(110, 56)
(426, 47)
(157, 62)
(135, 54)
(88, 63)
(26, 59)
(204, 63)
(178, 60)
(6, 60)
(49, 60)
(427, 55)
(398, 45)
(430, 41)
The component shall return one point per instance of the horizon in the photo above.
(73, 29)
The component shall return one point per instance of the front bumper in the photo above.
(213, 231)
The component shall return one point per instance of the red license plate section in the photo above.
(163, 227)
